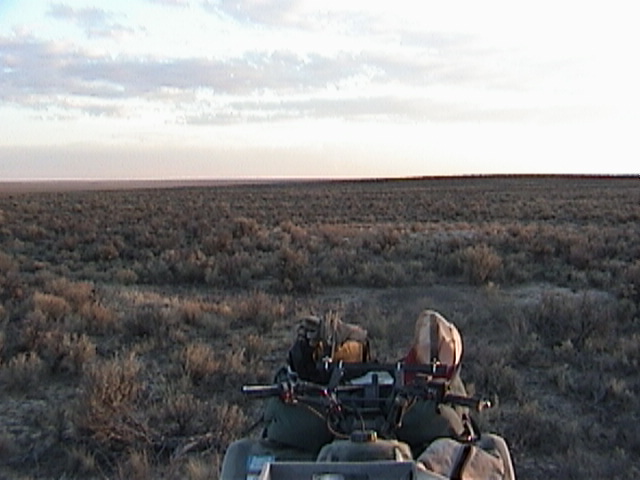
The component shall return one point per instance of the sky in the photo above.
(219, 89)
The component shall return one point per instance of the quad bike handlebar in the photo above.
(428, 384)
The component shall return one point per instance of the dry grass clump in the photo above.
(81, 462)
(228, 420)
(202, 468)
(108, 410)
(192, 312)
(66, 352)
(211, 368)
(481, 264)
(257, 309)
(294, 271)
(76, 293)
(77, 351)
(492, 373)
(229, 270)
(582, 319)
(631, 286)
(54, 307)
(152, 321)
(541, 432)
(7, 263)
(135, 465)
(184, 411)
(22, 373)
(255, 348)
(199, 362)
(61, 350)
(99, 319)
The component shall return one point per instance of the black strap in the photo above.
(435, 339)
(461, 462)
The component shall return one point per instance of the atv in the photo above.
(364, 405)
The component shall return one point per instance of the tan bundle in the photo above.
(436, 340)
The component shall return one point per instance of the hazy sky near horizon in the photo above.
(162, 89)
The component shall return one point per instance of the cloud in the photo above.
(95, 22)
(257, 86)
(269, 12)
(171, 3)
(404, 75)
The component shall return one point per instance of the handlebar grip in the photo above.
(262, 391)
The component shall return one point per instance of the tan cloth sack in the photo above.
(453, 459)
(437, 340)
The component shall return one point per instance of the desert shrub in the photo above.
(244, 227)
(381, 240)
(229, 422)
(233, 364)
(22, 373)
(190, 267)
(102, 252)
(448, 264)
(487, 367)
(384, 328)
(481, 263)
(7, 263)
(81, 462)
(183, 411)
(381, 274)
(619, 394)
(257, 309)
(52, 306)
(191, 312)
(199, 362)
(214, 325)
(579, 318)
(230, 270)
(334, 235)
(64, 351)
(338, 266)
(294, 271)
(631, 285)
(153, 321)
(28, 336)
(217, 242)
(517, 268)
(297, 235)
(135, 465)
(78, 351)
(534, 430)
(628, 438)
(108, 409)
(76, 293)
(605, 463)
(255, 348)
(98, 318)
(203, 467)
(125, 276)
(581, 253)
(155, 271)
(627, 353)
